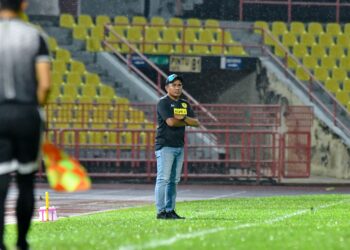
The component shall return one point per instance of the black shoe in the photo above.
(173, 215)
(162, 215)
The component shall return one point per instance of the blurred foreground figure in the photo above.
(24, 87)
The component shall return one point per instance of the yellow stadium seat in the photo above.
(139, 21)
(63, 55)
(318, 51)
(74, 79)
(307, 39)
(279, 51)
(92, 79)
(347, 29)
(200, 50)
(333, 29)
(326, 40)
(345, 63)
(289, 40)
(80, 33)
(94, 45)
(260, 25)
(270, 41)
(193, 22)
(236, 50)
(85, 21)
(206, 36)
(170, 36)
(339, 74)
(67, 98)
(343, 97)
(302, 74)
(336, 51)
(279, 28)
(151, 35)
(328, 62)
(291, 63)
(310, 62)
(176, 23)
(297, 28)
(190, 35)
(346, 85)
(56, 78)
(121, 20)
(102, 20)
(88, 90)
(315, 29)
(70, 90)
(106, 91)
(343, 40)
(59, 66)
(321, 74)
(332, 85)
(300, 50)
(134, 36)
(67, 21)
(211, 23)
(98, 32)
(52, 43)
(86, 99)
(157, 21)
(77, 67)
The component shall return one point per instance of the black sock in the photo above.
(25, 208)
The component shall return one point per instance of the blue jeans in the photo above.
(169, 166)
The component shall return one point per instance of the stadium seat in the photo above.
(106, 91)
(102, 20)
(67, 21)
(211, 23)
(236, 50)
(63, 55)
(77, 67)
(332, 85)
(176, 23)
(279, 28)
(89, 90)
(315, 29)
(302, 74)
(297, 28)
(52, 43)
(346, 85)
(345, 63)
(92, 79)
(97, 32)
(343, 97)
(310, 62)
(170, 36)
(347, 29)
(336, 51)
(318, 51)
(121, 21)
(326, 40)
(85, 21)
(339, 74)
(200, 49)
(59, 66)
(328, 62)
(70, 91)
(190, 35)
(151, 36)
(343, 40)
(158, 21)
(94, 45)
(56, 78)
(74, 79)
(300, 50)
(138, 21)
(321, 74)
(279, 51)
(292, 64)
(80, 33)
(261, 25)
(289, 40)
(194, 23)
(307, 39)
(333, 29)
(135, 36)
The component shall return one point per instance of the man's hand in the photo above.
(179, 117)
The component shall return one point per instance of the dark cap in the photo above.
(172, 78)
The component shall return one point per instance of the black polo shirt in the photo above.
(170, 136)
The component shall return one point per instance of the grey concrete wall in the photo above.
(112, 7)
(46, 8)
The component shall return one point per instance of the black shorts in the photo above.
(20, 136)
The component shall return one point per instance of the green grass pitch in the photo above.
(289, 222)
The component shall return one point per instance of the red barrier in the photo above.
(247, 141)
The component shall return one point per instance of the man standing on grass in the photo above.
(24, 87)
(173, 115)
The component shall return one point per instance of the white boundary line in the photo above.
(172, 240)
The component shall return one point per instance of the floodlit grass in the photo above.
(292, 222)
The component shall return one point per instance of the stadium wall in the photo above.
(329, 155)
(113, 7)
